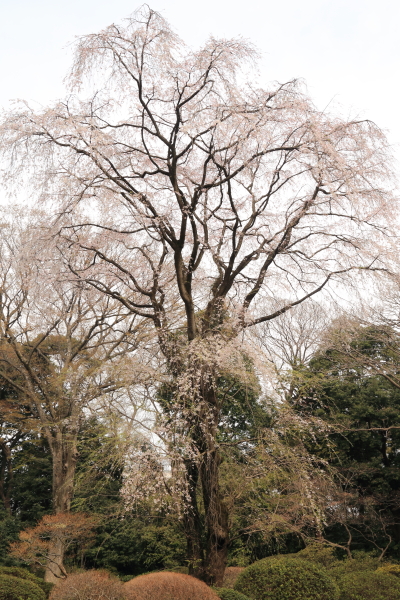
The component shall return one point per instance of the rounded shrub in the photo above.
(362, 562)
(230, 576)
(389, 569)
(286, 579)
(15, 588)
(90, 585)
(20, 573)
(229, 594)
(316, 553)
(367, 585)
(25, 574)
(167, 586)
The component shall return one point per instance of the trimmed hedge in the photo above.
(286, 579)
(362, 563)
(229, 594)
(321, 555)
(89, 585)
(25, 574)
(167, 586)
(389, 569)
(367, 585)
(14, 588)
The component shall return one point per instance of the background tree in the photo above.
(62, 348)
(10, 436)
(39, 545)
(348, 383)
(193, 198)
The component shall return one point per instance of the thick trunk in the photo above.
(207, 537)
(217, 522)
(216, 534)
(64, 455)
(192, 524)
(55, 571)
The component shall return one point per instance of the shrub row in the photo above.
(15, 588)
(167, 586)
(305, 576)
(25, 574)
(286, 579)
(229, 594)
(316, 574)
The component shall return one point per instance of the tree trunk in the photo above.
(208, 538)
(192, 524)
(55, 571)
(64, 454)
(217, 522)
(216, 532)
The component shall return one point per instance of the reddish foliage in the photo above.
(35, 544)
(167, 586)
(91, 585)
(230, 576)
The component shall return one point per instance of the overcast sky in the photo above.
(347, 50)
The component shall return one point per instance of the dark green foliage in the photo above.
(46, 587)
(362, 562)
(242, 415)
(25, 574)
(390, 569)
(14, 588)
(367, 585)
(321, 555)
(348, 394)
(98, 476)
(19, 572)
(32, 488)
(183, 570)
(9, 530)
(31, 495)
(137, 545)
(229, 594)
(286, 579)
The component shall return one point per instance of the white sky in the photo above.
(346, 50)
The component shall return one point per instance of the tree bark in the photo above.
(64, 454)
(217, 522)
(216, 513)
(192, 524)
(216, 526)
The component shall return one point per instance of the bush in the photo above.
(25, 574)
(366, 585)
(389, 569)
(362, 562)
(9, 530)
(230, 576)
(286, 579)
(184, 570)
(229, 594)
(321, 555)
(90, 585)
(14, 588)
(167, 586)
(134, 547)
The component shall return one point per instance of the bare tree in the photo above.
(291, 339)
(62, 347)
(195, 198)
